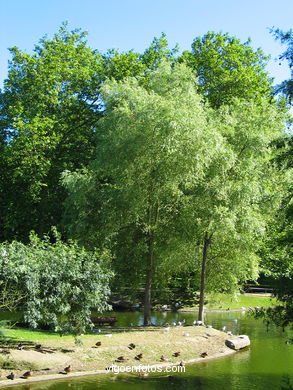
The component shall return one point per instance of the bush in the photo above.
(56, 284)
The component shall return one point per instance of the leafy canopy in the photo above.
(228, 68)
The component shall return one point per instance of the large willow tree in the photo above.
(191, 181)
(153, 140)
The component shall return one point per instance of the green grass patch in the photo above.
(220, 301)
(225, 301)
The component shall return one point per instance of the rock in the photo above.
(238, 342)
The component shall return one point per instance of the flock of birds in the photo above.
(131, 346)
(29, 373)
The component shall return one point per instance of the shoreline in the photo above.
(79, 374)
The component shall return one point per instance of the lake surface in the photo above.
(267, 365)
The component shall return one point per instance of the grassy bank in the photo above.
(238, 302)
(58, 352)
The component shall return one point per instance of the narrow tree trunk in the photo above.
(203, 276)
(149, 280)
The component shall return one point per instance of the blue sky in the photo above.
(132, 24)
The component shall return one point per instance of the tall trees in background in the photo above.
(276, 251)
(227, 68)
(49, 109)
(51, 103)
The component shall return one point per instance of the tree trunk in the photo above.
(149, 280)
(203, 276)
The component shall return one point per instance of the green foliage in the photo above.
(59, 283)
(171, 169)
(48, 109)
(276, 251)
(227, 68)
(151, 140)
(232, 204)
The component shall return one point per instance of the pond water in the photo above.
(267, 365)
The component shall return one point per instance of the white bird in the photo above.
(180, 323)
(224, 328)
(229, 333)
(174, 323)
(167, 329)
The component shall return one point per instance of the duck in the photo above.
(162, 358)
(20, 347)
(27, 374)
(38, 346)
(121, 359)
(98, 344)
(11, 376)
(67, 369)
(176, 354)
(181, 364)
(204, 354)
(138, 357)
(131, 346)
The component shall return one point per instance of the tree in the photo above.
(227, 69)
(55, 284)
(227, 211)
(286, 87)
(152, 140)
(276, 252)
(49, 109)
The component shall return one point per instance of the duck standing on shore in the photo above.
(27, 374)
(67, 369)
(11, 376)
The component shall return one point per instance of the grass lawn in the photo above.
(225, 301)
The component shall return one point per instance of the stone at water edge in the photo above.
(238, 342)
